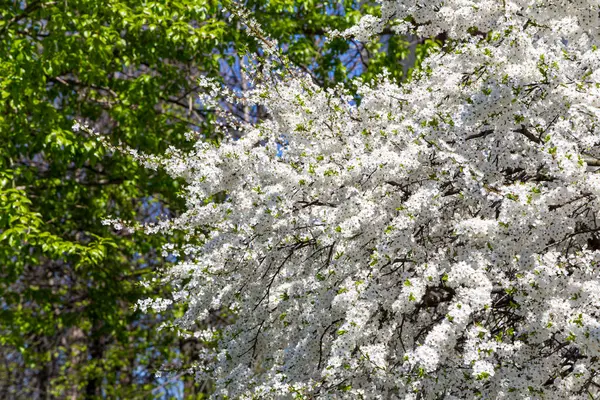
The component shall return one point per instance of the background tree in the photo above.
(67, 284)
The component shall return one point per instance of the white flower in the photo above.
(483, 369)
(376, 249)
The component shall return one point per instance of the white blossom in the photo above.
(439, 240)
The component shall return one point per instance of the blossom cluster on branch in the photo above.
(435, 240)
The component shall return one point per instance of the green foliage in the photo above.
(67, 282)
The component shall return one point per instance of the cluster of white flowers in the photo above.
(437, 241)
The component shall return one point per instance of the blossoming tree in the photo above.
(435, 240)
